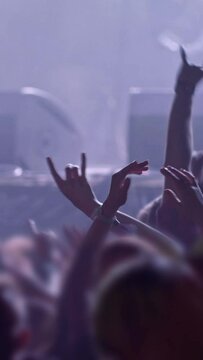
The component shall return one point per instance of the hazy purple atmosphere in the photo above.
(87, 53)
(101, 180)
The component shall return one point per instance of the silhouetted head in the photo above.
(117, 251)
(150, 310)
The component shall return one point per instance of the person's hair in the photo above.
(149, 298)
(119, 250)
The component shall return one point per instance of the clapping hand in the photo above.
(120, 185)
(75, 186)
(188, 197)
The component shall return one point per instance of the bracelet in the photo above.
(106, 220)
(97, 214)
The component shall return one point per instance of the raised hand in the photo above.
(120, 185)
(168, 213)
(190, 75)
(189, 195)
(75, 186)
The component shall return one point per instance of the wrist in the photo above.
(105, 213)
(92, 207)
(108, 209)
(185, 88)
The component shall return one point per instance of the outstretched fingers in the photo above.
(183, 56)
(143, 166)
(190, 177)
(83, 165)
(180, 175)
(57, 178)
(169, 174)
(134, 168)
(181, 178)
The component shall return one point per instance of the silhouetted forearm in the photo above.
(180, 135)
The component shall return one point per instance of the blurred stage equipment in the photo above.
(33, 125)
(36, 197)
(148, 123)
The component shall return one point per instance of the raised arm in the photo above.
(73, 307)
(78, 190)
(188, 194)
(75, 186)
(179, 146)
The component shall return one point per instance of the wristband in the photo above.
(97, 214)
(106, 220)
